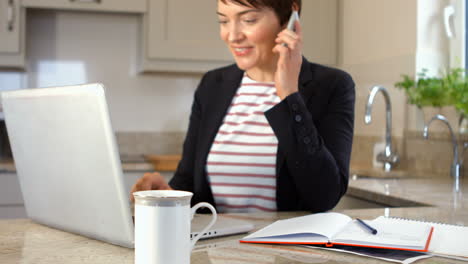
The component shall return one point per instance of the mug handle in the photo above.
(213, 219)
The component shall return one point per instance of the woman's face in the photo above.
(250, 34)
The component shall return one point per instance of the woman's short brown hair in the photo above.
(282, 8)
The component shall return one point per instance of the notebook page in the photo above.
(446, 239)
(391, 233)
(324, 224)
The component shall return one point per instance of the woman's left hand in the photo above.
(289, 62)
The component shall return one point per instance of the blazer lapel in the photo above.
(223, 92)
(306, 80)
(226, 86)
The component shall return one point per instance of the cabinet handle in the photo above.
(449, 11)
(86, 1)
(11, 15)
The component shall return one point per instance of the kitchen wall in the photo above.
(375, 49)
(78, 47)
(379, 41)
(377, 44)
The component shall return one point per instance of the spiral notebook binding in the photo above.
(422, 221)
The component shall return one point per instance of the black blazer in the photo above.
(314, 128)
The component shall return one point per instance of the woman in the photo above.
(271, 132)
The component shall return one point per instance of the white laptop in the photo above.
(68, 164)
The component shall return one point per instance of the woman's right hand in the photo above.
(149, 181)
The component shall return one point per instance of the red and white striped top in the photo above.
(242, 160)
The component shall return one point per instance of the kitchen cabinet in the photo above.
(183, 36)
(180, 35)
(11, 199)
(12, 20)
(133, 6)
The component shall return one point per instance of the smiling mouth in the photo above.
(241, 51)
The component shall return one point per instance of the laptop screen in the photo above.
(67, 160)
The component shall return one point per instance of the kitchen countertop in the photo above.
(23, 241)
(410, 192)
(128, 165)
(380, 173)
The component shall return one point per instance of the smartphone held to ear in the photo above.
(292, 19)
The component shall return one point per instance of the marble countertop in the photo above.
(23, 241)
(411, 192)
(128, 165)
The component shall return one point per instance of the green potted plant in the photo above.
(459, 94)
(451, 89)
(458, 83)
(426, 91)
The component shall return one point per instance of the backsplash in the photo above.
(435, 155)
(141, 143)
(363, 148)
(418, 156)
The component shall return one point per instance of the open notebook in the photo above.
(338, 229)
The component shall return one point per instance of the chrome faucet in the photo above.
(456, 163)
(389, 157)
(465, 146)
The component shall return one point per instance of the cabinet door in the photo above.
(180, 35)
(11, 34)
(11, 199)
(130, 6)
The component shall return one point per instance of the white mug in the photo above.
(162, 226)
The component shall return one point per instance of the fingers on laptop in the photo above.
(157, 181)
(149, 181)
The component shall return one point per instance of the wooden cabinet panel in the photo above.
(11, 199)
(9, 26)
(180, 29)
(11, 34)
(133, 6)
(10, 191)
(11, 212)
(183, 36)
